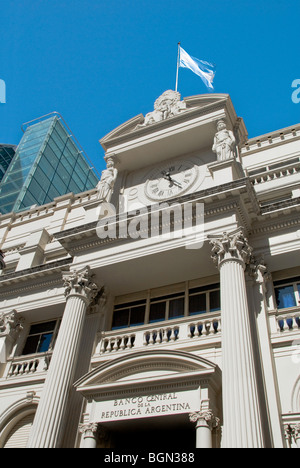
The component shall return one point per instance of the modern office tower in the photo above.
(173, 322)
(48, 163)
(7, 153)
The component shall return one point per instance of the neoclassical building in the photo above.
(161, 309)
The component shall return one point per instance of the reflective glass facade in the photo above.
(7, 153)
(47, 164)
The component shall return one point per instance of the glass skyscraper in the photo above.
(7, 153)
(48, 163)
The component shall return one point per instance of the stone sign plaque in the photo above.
(147, 406)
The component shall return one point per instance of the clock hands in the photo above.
(167, 176)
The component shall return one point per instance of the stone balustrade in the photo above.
(180, 330)
(22, 366)
(289, 322)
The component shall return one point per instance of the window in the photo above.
(129, 315)
(166, 307)
(204, 299)
(41, 337)
(287, 293)
(195, 301)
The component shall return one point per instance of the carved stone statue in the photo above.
(224, 142)
(166, 106)
(106, 184)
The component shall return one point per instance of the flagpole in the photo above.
(176, 85)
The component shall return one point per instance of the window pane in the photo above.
(157, 312)
(137, 316)
(176, 308)
(121, 318)
(31, 345)
(42, 327)
(197, 304)
(44, 342)
(285, 297)
(214, 300)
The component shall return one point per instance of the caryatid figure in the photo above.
(224, 142)
(106, 184)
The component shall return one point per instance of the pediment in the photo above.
(147, 367)
(159, 117)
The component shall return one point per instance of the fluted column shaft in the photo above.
(49, 419)
(241, 413)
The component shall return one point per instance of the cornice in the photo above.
(282, 205)
(35, 273)
(271, 140)
(270, 225)
(217, 200)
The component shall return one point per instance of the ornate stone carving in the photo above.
(88, 429)
(292, 433)
(80, 283)
(2, 263)
(224, 142)
(205, 417)
(106, 184)
(98, 303)
(233, 245)
(258, 271)
(10, 324)
(166, 106)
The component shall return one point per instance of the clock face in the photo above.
(171, 180)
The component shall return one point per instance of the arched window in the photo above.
(19, 433)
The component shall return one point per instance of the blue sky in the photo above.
(99, 63)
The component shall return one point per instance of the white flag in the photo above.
(205, 70)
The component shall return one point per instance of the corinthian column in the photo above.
(241, 414)
(206, 422)
(80, 291)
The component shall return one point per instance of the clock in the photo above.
(171, 180)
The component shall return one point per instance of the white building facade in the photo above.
(161, 309)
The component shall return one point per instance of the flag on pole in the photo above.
(205, 70)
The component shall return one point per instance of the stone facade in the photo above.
(162, 306)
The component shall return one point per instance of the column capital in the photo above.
(292, 433)
(206, 418)
(295, 430)
(230, 246)
(80, 283)
(88, 429)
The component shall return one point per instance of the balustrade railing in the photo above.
(288, 322)
(180, 330)
(22, 366)
(271, 173)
